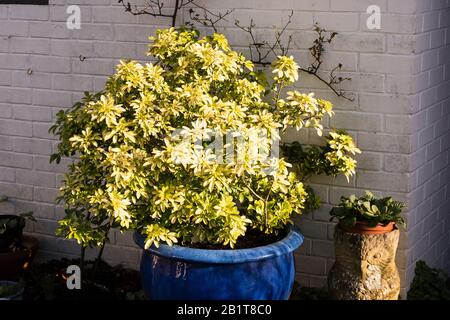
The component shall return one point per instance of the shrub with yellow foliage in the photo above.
(185, 149)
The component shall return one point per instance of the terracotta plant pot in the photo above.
(363, 228)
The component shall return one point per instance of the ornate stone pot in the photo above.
(365, 266)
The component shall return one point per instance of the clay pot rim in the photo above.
(361, 227)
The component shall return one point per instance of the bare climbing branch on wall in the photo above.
(316, 51)
(259, 50)
(206, 18)
(155, 8)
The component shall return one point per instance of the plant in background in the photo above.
(144, 151)
(11, 227)
(368, 209)
(429, 283)
(332, 159)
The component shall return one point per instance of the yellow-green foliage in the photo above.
(133, 171)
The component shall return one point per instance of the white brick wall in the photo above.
(400, 116)
(429, 205)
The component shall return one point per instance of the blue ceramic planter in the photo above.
(181, 273)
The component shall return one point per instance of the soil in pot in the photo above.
(253, 238)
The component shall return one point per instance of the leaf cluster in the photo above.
(368, 209)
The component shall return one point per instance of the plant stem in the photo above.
(254, 193)
(266, 212)
(98, 259)
(278, 92)
(83, 251)
(175, 11)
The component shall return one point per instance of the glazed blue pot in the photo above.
(182, 273)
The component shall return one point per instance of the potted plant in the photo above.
(366, 239)
(11, 228)
(16, 250)
(185, 152)
(11, 290)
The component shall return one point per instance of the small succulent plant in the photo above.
(368, 209)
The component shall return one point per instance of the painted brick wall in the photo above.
(429, 197)
(399, 116)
